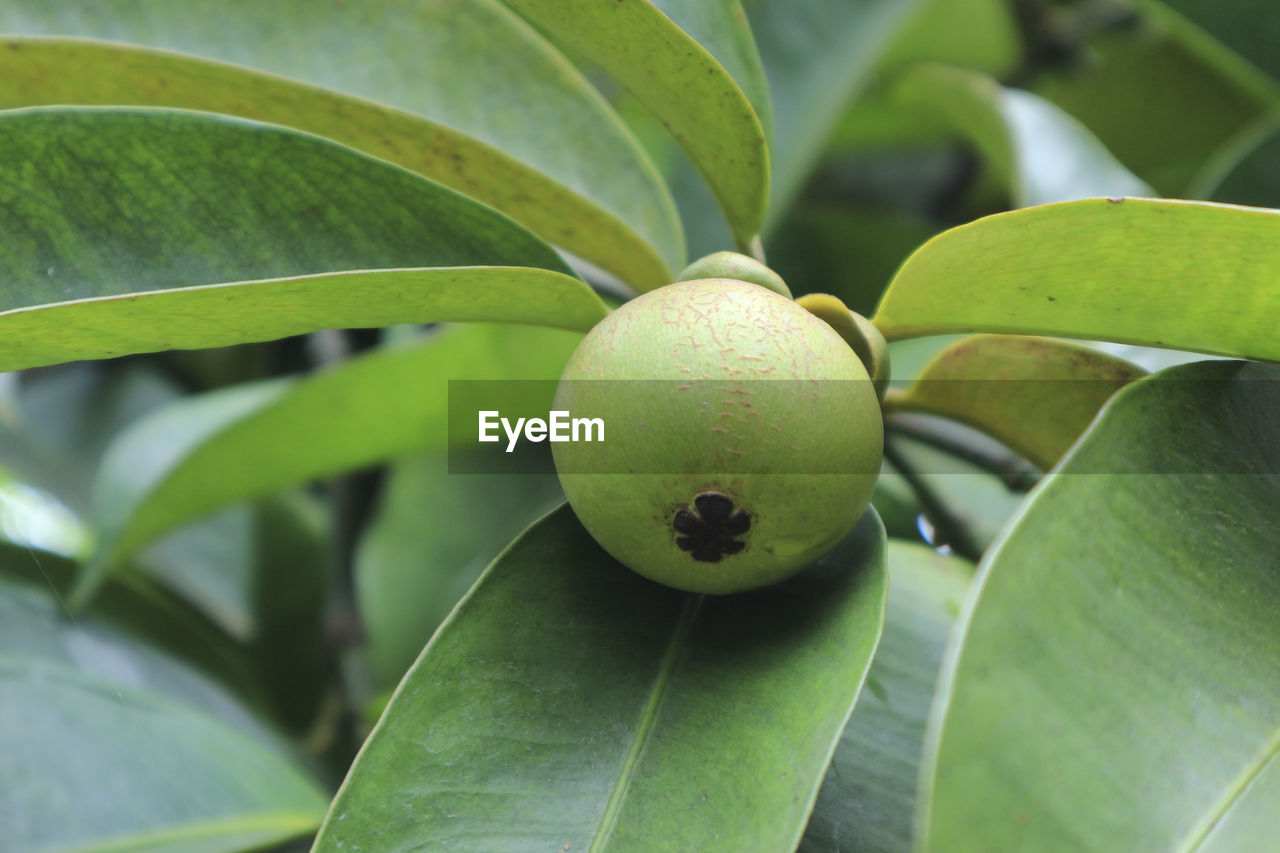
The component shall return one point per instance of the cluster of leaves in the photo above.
(227, 531)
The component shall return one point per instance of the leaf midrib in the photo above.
(648, 721)
(1234, 791)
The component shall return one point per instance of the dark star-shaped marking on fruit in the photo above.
(711, 533)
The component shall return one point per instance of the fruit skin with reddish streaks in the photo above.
(743, 436)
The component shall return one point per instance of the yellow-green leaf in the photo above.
(1036, 395)
(1175, 274)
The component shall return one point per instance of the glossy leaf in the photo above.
(569, 701)
(817, 55)
(1036, 395)
(243, 312)
(1111, 687)
(682, 84)
(84, 700)
(868, 797)
(464, 93)
(99, 202)
(432, 535)
(1040, 153)
(1182, 275)
(208, 451)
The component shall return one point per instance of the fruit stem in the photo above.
(951, 530)
(1015, 472)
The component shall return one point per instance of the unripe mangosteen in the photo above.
(742, 436)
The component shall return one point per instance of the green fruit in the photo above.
(742, 436)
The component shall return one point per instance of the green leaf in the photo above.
(100, 203)
(896, 504)
(681, 83)
(1040, 153)
(180, 782)
(173, 648)
(817, 54)
(464, 93)
(213, 564)
(1111, 685)
(1255, 179)
(205, 452)
(868, 797)
(978, 34)
(1240, 38)
(1173, 274)
(721, 26)
(567, 701)
(249, 311)
(1206, 102)
(63, 419)
(260, 572)
(432, 535)
(153, 754)
(1036, 395)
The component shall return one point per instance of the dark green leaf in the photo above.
(896, 504)
(62, 421)
(1247, 27)
(260, 572)
(568, 701)
(1255, 179)
(1168, 100)
(101, 203)
(966, 504)
(143, 774)
(158, 629)
(1112, 685)
(433, 534)
(868, 797)
(107, 742)
(473, 97)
